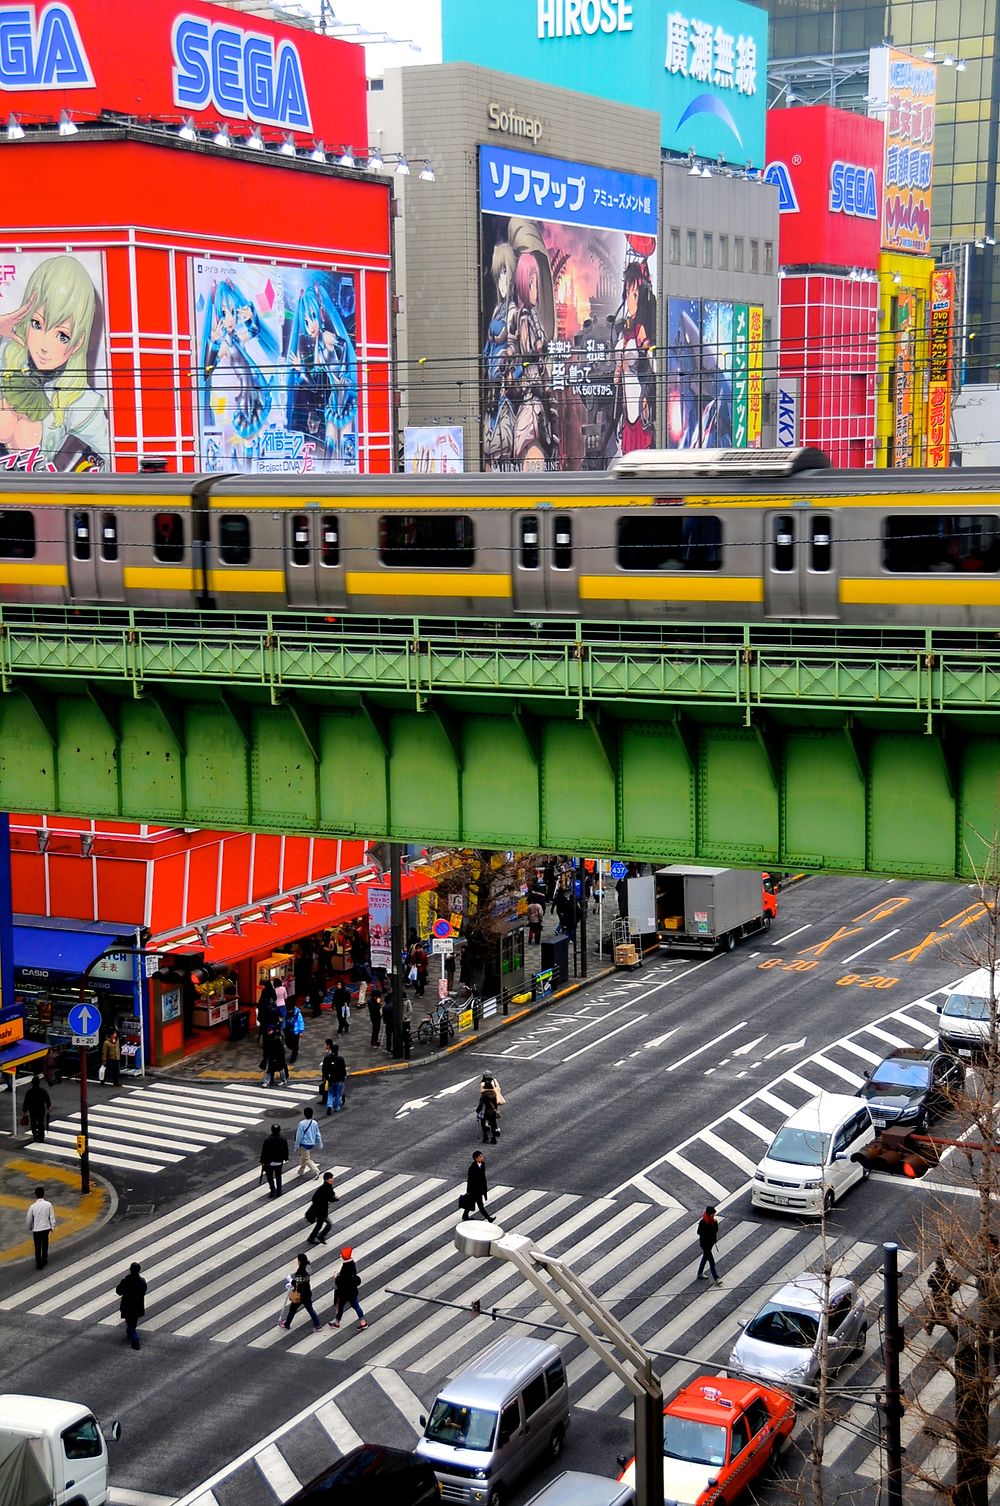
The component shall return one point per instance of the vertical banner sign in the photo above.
(786, 417)
(380, 926)
(755, 397)
(741, 374)
(939, 371)
(902, 90)
(902, 453)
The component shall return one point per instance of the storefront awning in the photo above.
(22, 1052)
(49, 949)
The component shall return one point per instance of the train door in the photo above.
(528, 567)
(800, 579)
(302, 545)
(93, 550)
(562, 554)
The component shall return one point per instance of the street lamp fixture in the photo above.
(318, 153)
(346, 158)
(187, 130)
(15, 130)
(427, 173)
(222, 137)
(66, 126)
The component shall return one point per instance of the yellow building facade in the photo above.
(903, 336)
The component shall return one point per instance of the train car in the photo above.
(672, 536)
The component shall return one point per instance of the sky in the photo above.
(419, 20)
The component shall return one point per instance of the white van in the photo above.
(964, 1020)
(53, 1447)
(501, 1416)
(814, 1157)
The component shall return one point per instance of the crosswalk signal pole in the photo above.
(84, 1137)
(892, 1346)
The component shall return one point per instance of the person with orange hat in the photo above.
(346, 1286)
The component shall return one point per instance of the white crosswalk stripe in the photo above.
(147, 1129)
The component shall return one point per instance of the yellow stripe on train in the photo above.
(158, 578)
(670, 586)
(958, 590)
(388, 583)
(237, 578)
(14, 574)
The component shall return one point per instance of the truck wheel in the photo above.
(730, 941)
(767, 924)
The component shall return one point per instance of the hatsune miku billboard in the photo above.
(568, 312)
(276, 367)
(53, 362)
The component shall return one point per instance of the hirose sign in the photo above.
(194, 60)
(827, 167)
(701, 66)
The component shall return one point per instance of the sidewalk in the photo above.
(238, 1061)
(76, 1214)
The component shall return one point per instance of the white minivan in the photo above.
(815, 1157)
(964, 1019)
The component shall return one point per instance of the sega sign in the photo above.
(42, 50)
(241, 73)
(827, 167)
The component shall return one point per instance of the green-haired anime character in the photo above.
(45, 393)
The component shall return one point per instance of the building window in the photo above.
(723, 253)
(755, 256)
(675, 246)
(706, 249)
(737, 253)
(692, 260)
(768, 256)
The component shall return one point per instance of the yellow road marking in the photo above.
(69, 1220)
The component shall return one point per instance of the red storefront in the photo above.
(214, 292)
(827, 166)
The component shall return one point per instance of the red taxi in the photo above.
(718, 1436)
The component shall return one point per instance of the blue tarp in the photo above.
(54, 950)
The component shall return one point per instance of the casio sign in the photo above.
(239, 73)
(42, 52)
(852, 191)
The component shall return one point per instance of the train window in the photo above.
(529, 553)
(330, 540)
(17, 536)
(168, 538)
(783, 551)
(81, 536)
(562, 551)
(821, 549)
(234, 539)
(300, 538)
(435, 543)
(938, 543)
(109, 537)
(674, 542)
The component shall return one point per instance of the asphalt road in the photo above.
(620, 1109)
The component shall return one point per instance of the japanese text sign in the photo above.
(566, 193)
(902, 90)
(940, 368)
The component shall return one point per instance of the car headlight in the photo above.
(479, 1474)
(811, 1186)
(758, 1176)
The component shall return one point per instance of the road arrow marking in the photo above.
(791, 1046)
(409, 1108)
(745, 1050)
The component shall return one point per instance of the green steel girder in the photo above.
(785, 756)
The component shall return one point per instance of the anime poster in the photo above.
(380, 926)
(429, 450)
(717, 346)
(54, 385)
(277, 375)
(568, 313)
(686, 378)
(905, 325)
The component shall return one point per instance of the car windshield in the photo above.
(967, 1007)
(694, 1442)
(784, 1326)
(800, 1147)
(896, 1076)
(465, 1427)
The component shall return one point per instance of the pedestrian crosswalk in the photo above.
(148, 1129)
(718, 1160)
(215, 1268)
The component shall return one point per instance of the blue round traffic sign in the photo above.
(619, 870)
(442, 928)
(84, 1019)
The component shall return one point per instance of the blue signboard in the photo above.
(565, 193)
(619, 870)
(702, 67)
(84, 1019)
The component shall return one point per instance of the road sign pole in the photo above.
(85, 1156)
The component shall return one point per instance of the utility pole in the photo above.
(84, 1136)
(582, 902)
(396, 926)
(892, 1345)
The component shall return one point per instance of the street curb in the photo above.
(110, 1207)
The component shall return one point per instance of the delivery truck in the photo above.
(701, 909)
(52, 1453)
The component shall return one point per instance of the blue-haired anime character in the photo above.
(231, 324)
(323, 381)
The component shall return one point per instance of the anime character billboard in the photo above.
(276, 368)
(53, 363)
(569, 313)
(706, 349)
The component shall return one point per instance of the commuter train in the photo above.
(739, 536)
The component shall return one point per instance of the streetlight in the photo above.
(556, 1282)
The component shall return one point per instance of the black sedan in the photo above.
(910, 1088)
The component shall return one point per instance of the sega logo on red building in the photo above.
(827, 167)
(240, 72)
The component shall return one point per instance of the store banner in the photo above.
(741, 375)
(942, 316)
(432, 451)
(787, 413)
(902, 91)
(902, 450)
(380, 926)
(568, 313)
(755, 398)
(54, 367)
(277, 377)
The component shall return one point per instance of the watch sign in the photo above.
(827, 167)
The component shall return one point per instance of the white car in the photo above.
(818, 1153)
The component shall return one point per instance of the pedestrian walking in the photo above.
(488, 1112)
(346, 1286)
(132, 1291)
(299, 1289)
(307, 1139)
(326, 1067)
(273, 1061)
(273, 1155)
(318, 1212)
(406, 1025)
(294, 1032)
(37, 1104)
(941, 1287)
(418, 958)
(335, 1082)
(281, 999)
(535, 917)
(342, 1007)
(389, 1021)
(707, 1230)
(41, 1221)
(373, 999)
(476, 1189)
(111, 1060)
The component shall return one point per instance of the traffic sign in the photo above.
(442, 946)
(619, 870)
(442, 928)
(85, 1040)
(84, 1019)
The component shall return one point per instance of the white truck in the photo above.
(701, 909)
(52, 1453)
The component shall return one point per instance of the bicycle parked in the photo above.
(449, 1009)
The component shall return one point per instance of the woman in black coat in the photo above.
(476, 1189)
(132, 1290)
(347, 1284)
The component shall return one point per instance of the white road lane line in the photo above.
(848, 1044)
(773, 1100)
(884, 1035)
(693, 1173)
(277, 1471)
(119, 1497)
(617, 1031)
(99, 1140)
(655, 1194)
(870, 947)
(98, 1158)
(730, 1152)
(918, 1025)
(337, 1428)
(926, 1003)
(759, 1130)
(707, 1047)
(782, 939)
(403, 1399)
(854, 1078)
(811, 1088)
